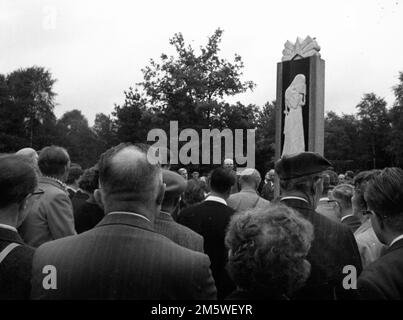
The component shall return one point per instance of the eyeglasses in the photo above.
(370, 212)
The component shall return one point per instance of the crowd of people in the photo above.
(127, 228)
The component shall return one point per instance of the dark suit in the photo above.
(78, 200)
(87, 216)
(185, 237)
(15, 270)
(333, 248)
(352, 222)
(122, 258)
(267, 191)
(383, 279)
(210, 219)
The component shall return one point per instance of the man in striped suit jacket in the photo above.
(18, 181)
(123, 257)
(334, 246)
(175, 185)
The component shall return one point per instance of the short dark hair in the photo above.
(128, 182)
(384, 195)
(360, 184)
(222, 180)
(17, 180)
(268, 249)
(53, 160)
(89, 180)
(74, 173)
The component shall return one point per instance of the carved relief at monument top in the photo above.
(300, 49)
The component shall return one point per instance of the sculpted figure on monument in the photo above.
(293, 125)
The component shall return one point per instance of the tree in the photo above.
(374, 130)
(81, 142)
(396, 119)
(190, 87)
(104, 127)
(342, 143)
(26, 109)
(265, 137)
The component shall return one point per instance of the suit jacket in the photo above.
(246, 199)
(122, 258)
(185, 237)
(352, 222)
(15, 270)
(369, 246)
(210, 219)
(78, 200)
(50, 215)
(87, 216)
(268, 191)
(383, 279)
(328, 209)
(333, 248)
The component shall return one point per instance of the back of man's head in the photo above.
(17, 180)
(54, 161)
(384, 195)
(75, 173)
(222, 180)
(127, 176)
(343, 194)
(250, 177)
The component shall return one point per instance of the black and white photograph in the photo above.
(201, 156)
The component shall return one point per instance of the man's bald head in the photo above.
(125, 174)
(250, 177)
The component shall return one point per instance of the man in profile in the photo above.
(267, 191)
(18, 181)
(50, 215)
(334, 246)
(383, 279)
(175, 185)
(123, 257)
(342, 195)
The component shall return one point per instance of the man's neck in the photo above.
(9, 217)
(131, 207)
(299, 195)
(347, 212)
(247, 188)
(216, 194)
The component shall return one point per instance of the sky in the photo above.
(96, 49)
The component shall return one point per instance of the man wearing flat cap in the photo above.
(334, 246)
(164, 224)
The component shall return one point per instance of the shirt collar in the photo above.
(294, 198)
(346, 216)
(216, 199)
(396, 240)
(8, 227)
(62, 184)
(129, 213)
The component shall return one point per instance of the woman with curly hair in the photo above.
(267, 252)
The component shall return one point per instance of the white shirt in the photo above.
(129, 213)
(6, 226)
(216, 199)
(343, 218)
(293, 197)
(396, 239)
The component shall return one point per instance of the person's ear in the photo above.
(22, 211)
(99, 198)
(161, 193)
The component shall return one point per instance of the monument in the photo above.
(300, 99)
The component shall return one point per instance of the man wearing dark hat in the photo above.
(334, 246)
(164, 224)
